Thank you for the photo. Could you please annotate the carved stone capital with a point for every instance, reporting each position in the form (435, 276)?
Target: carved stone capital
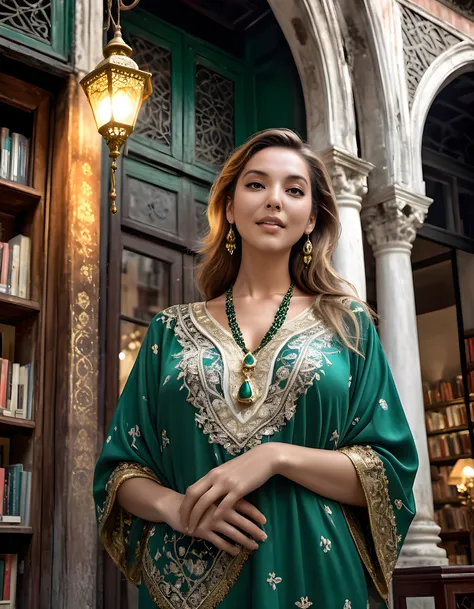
(392, 216)
(348, 175)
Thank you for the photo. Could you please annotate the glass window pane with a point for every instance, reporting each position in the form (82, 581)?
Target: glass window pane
(437, 212)
(154, 120)
(214, 116)
(145, 285)
(131, 337)
(466, 212)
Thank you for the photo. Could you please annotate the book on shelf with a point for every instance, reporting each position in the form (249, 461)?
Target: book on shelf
(15, 495)
(469, 342)
(452, 518)
(8, 583)
(439, 480)
(458, 553)
(449, 445)
(451, 416)
(16, 390)
(5, 152)
(14, 156)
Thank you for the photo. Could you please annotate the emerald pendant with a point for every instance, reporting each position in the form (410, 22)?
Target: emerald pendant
(249, 360)
(246, 392)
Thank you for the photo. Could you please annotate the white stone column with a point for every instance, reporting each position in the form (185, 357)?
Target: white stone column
(349, 179)
(391, 218)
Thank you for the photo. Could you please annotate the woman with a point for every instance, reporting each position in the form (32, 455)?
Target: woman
(259, 455)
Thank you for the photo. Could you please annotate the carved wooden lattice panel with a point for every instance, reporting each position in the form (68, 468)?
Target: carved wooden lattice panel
(30, 17)
(214, 112)
(154, 120)
(464, 601)
(423, 41)
(153, 205)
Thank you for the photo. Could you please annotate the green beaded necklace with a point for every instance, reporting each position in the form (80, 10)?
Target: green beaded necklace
(246, 393)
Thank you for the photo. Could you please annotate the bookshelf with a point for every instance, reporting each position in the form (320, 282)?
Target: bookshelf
(24, 210)
(449, 426)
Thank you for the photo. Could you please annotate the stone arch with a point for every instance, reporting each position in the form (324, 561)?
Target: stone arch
(444, 69)
(375, 91)
(313, 35)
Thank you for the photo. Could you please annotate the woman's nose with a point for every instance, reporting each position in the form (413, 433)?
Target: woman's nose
(273, 202)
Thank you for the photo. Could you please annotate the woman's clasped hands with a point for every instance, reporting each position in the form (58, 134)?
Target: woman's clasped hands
(214, 505)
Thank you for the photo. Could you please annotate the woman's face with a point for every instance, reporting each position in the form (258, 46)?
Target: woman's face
(271, 207)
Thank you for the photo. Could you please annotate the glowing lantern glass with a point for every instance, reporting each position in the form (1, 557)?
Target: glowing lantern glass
(116, 89)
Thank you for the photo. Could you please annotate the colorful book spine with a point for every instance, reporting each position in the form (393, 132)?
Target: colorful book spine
(5, 153)
(2, 490)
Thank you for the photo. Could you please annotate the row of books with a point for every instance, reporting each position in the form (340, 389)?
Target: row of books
(452, 518)
(451, 416)
(15, 495)
(469, 342)
(458, 553)
(16, 390)
(439, 481)
(15, 266)
(14, 153)
(8, 580)
(443, 391)
(447, 445)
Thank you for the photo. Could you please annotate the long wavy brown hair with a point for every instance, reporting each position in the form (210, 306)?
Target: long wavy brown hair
(217, 270)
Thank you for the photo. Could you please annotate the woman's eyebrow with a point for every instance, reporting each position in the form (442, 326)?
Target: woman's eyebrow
(295, 176)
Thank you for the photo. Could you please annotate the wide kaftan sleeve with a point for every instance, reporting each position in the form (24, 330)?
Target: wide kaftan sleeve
(380, 445)
(131, 449)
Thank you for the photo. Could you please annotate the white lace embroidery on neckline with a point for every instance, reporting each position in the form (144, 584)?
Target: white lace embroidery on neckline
(210, 365)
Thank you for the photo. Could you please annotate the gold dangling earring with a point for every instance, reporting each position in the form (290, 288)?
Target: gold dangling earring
(230, 241)
(307, 252)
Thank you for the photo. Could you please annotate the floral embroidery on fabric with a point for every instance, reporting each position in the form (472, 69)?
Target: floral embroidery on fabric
(166, 380)
(398, 504)
(108, 439)
(304, 346)
(303, 603)
(188, 572)
(347, 605)
(350, 381)
(325, 544)
(155, 348)
(328, 511)
(399, 539)
(355, 421)
(334, 438)
(135, 433)
(273, 580)
(164, 440)
(383, 404)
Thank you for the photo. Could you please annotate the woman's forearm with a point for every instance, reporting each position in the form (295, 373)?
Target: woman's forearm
(328, 473)
(145, 498)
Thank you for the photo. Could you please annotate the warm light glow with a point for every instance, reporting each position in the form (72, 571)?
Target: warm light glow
(123, 109)
(468, 472)
(122, 355)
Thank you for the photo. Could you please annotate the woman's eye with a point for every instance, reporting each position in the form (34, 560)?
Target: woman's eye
(254, 185)
(296, 191)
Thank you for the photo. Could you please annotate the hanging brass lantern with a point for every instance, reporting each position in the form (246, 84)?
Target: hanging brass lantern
(116, 89)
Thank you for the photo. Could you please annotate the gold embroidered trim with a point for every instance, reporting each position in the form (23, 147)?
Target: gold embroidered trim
(375, 538)
(114, 519)
(299, 354)
(210, 585)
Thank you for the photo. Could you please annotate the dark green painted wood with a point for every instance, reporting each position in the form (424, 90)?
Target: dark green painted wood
(62, 22)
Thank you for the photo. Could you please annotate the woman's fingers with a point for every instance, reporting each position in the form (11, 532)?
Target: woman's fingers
(201, 506)
(230, 531)
(246, 525)
(244, 507)
(222, 544)
(192, 496)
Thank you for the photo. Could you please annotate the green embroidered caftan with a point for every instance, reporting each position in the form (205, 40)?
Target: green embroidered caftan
(178, 418)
